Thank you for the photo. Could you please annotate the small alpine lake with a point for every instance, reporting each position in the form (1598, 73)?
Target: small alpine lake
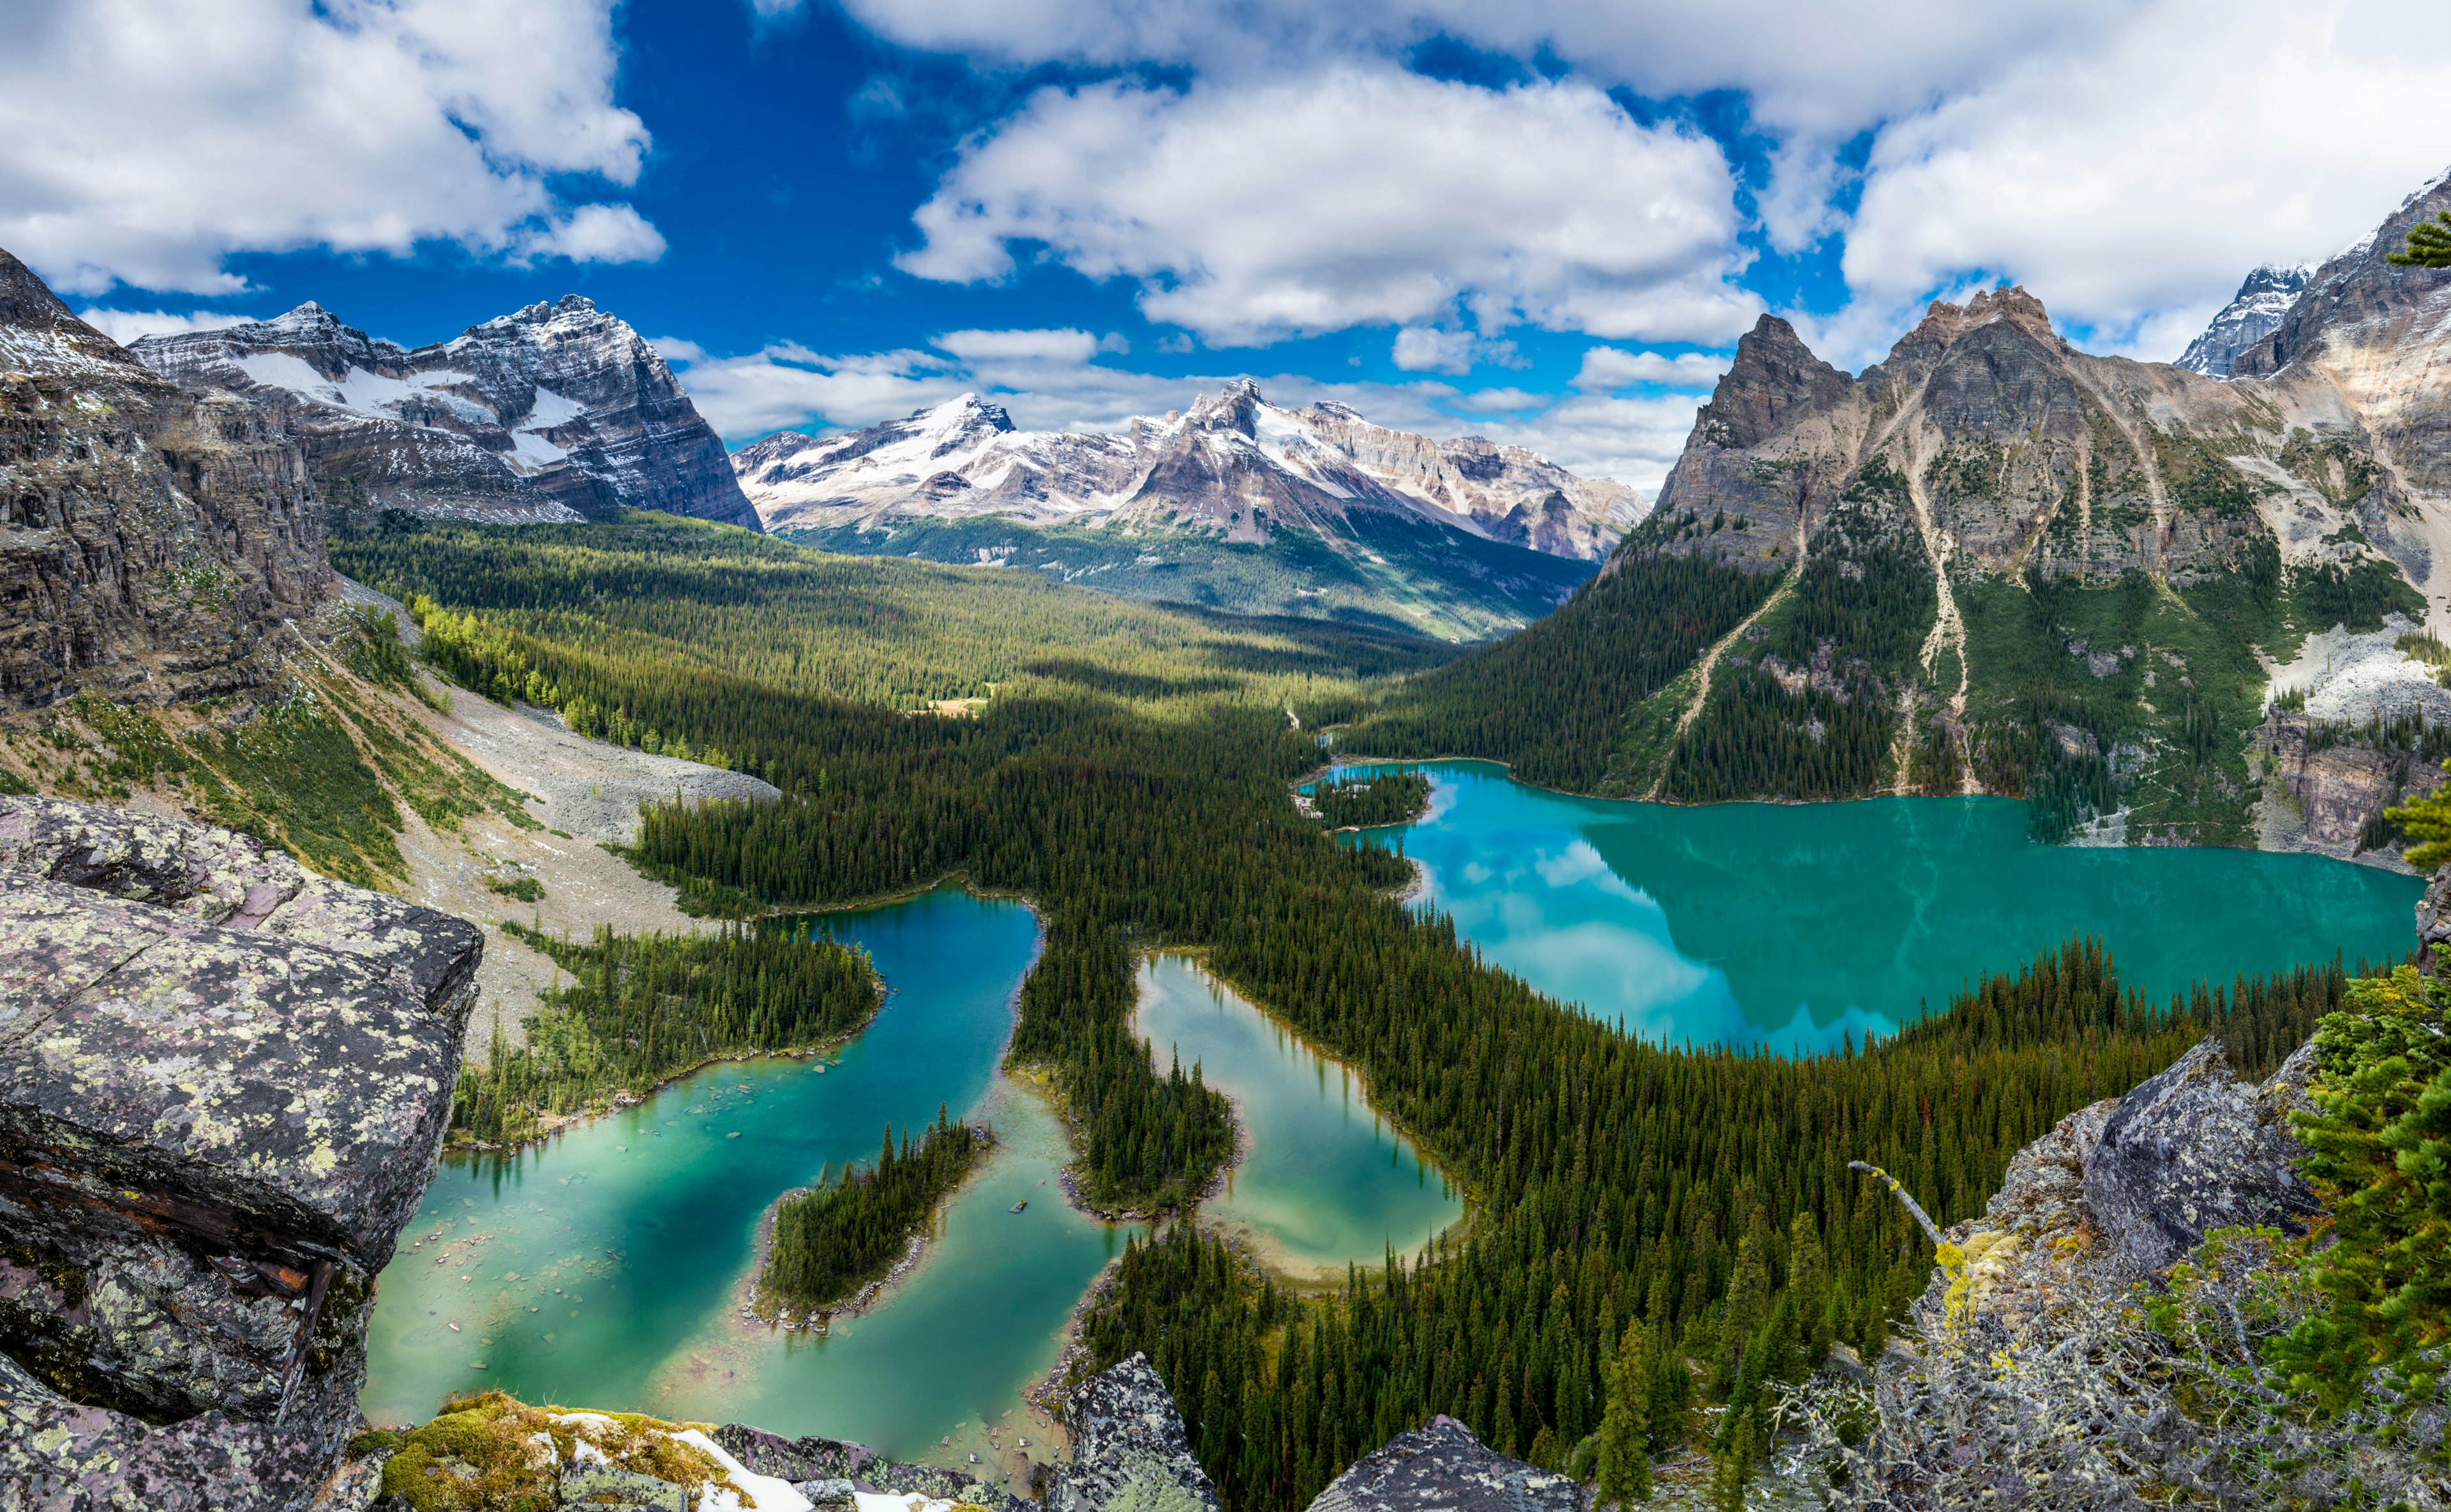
(1793, 925)
(1324, 1180)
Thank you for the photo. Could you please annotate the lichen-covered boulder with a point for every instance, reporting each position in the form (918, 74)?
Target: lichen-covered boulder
(1129, 1452)
(224, 1087)
(2194, 1150)
(1441, 1467)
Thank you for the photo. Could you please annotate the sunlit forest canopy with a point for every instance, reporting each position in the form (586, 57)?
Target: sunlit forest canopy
(674, 596)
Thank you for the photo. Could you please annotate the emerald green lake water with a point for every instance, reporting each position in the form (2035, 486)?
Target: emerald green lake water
(603, 1269)
(1324, 1181)
(1791, 925)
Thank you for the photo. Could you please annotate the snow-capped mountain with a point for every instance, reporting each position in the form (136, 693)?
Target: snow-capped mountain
(558, 412)
(1234, 466)
(2254, 315)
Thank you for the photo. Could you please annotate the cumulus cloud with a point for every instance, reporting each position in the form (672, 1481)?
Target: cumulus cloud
(1829, 67)
(144, 144)
(1427, 349)
(2132, 188)
(1607, 369)
(1359, 197)
(132, 326)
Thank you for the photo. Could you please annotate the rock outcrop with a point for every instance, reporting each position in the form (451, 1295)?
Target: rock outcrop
(1443, 1466)
(558, 411)
(1233, 465)
(829, 1471)
(2194, 1150)
(152, 539)
(1129, 1451)
(2255, 312)
(223, 1087)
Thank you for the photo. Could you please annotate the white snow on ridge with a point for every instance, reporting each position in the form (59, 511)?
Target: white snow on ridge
(360, 391)
(551, 409)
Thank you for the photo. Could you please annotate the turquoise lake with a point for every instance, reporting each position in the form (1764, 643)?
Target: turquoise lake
(1791, 925)
(605, 1267)
(1324, 1181)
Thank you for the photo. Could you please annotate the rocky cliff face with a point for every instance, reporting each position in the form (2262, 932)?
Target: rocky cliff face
(152, 539)
(224, 1087)
(1234, 466)
(558, 411)
(2255, 313)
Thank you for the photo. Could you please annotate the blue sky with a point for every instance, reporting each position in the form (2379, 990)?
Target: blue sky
(1545, 222)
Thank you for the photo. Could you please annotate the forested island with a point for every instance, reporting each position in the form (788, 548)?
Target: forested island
(833, 1240)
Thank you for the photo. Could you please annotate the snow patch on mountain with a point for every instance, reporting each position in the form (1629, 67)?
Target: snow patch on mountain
(2254, 313)
(558, 411)
(1233, 465)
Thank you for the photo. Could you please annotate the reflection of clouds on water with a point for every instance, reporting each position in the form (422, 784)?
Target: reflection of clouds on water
(1579, 863)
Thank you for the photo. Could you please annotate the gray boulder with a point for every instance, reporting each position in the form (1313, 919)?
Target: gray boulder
(840, 1469)
(2194, 1150)
(223, 1087)
(1129, 1451)
(1441, 1467)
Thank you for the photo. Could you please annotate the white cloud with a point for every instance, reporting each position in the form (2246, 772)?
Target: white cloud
(595, 233)
(1357, 197)
(1073, 347)
(144, 144)
(1428, 350)
(129, 325)
(2132, 188)
(1825, 68)
(1606, 370)
(1423, 350)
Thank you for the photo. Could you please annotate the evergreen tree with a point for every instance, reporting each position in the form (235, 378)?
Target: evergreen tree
(1807, 1283)
(2429, 243)
(1625, 1438)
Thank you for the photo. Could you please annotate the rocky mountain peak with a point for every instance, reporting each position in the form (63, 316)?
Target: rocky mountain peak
(2251, 315)
(1944, 322)
(1236, 407)
(2358, 296)
(37, 332)
(1774, 381)
(558, 411)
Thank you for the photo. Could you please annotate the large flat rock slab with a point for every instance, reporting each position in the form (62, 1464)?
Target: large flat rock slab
(223, 1087)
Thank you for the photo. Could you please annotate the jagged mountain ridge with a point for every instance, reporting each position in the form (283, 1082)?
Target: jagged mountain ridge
(153, 540)
(1233, 465)
(2250, 316)
(557, 411)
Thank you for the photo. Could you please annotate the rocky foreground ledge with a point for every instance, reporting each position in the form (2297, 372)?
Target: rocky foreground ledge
(1131, 1454)
(223, 1087)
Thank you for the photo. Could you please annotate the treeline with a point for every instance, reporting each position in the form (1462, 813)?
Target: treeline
(1550, 699)
(1704, 1195)
(646, 1006)
(1390, 798)
(829, 1241)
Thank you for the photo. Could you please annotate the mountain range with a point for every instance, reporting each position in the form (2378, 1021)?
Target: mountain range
(2167, 606)
(1235, 502)
(556, 412)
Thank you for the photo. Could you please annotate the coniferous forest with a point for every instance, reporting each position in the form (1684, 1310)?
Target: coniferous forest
(830, 1241)
(647, 1007)
(1140, 802)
